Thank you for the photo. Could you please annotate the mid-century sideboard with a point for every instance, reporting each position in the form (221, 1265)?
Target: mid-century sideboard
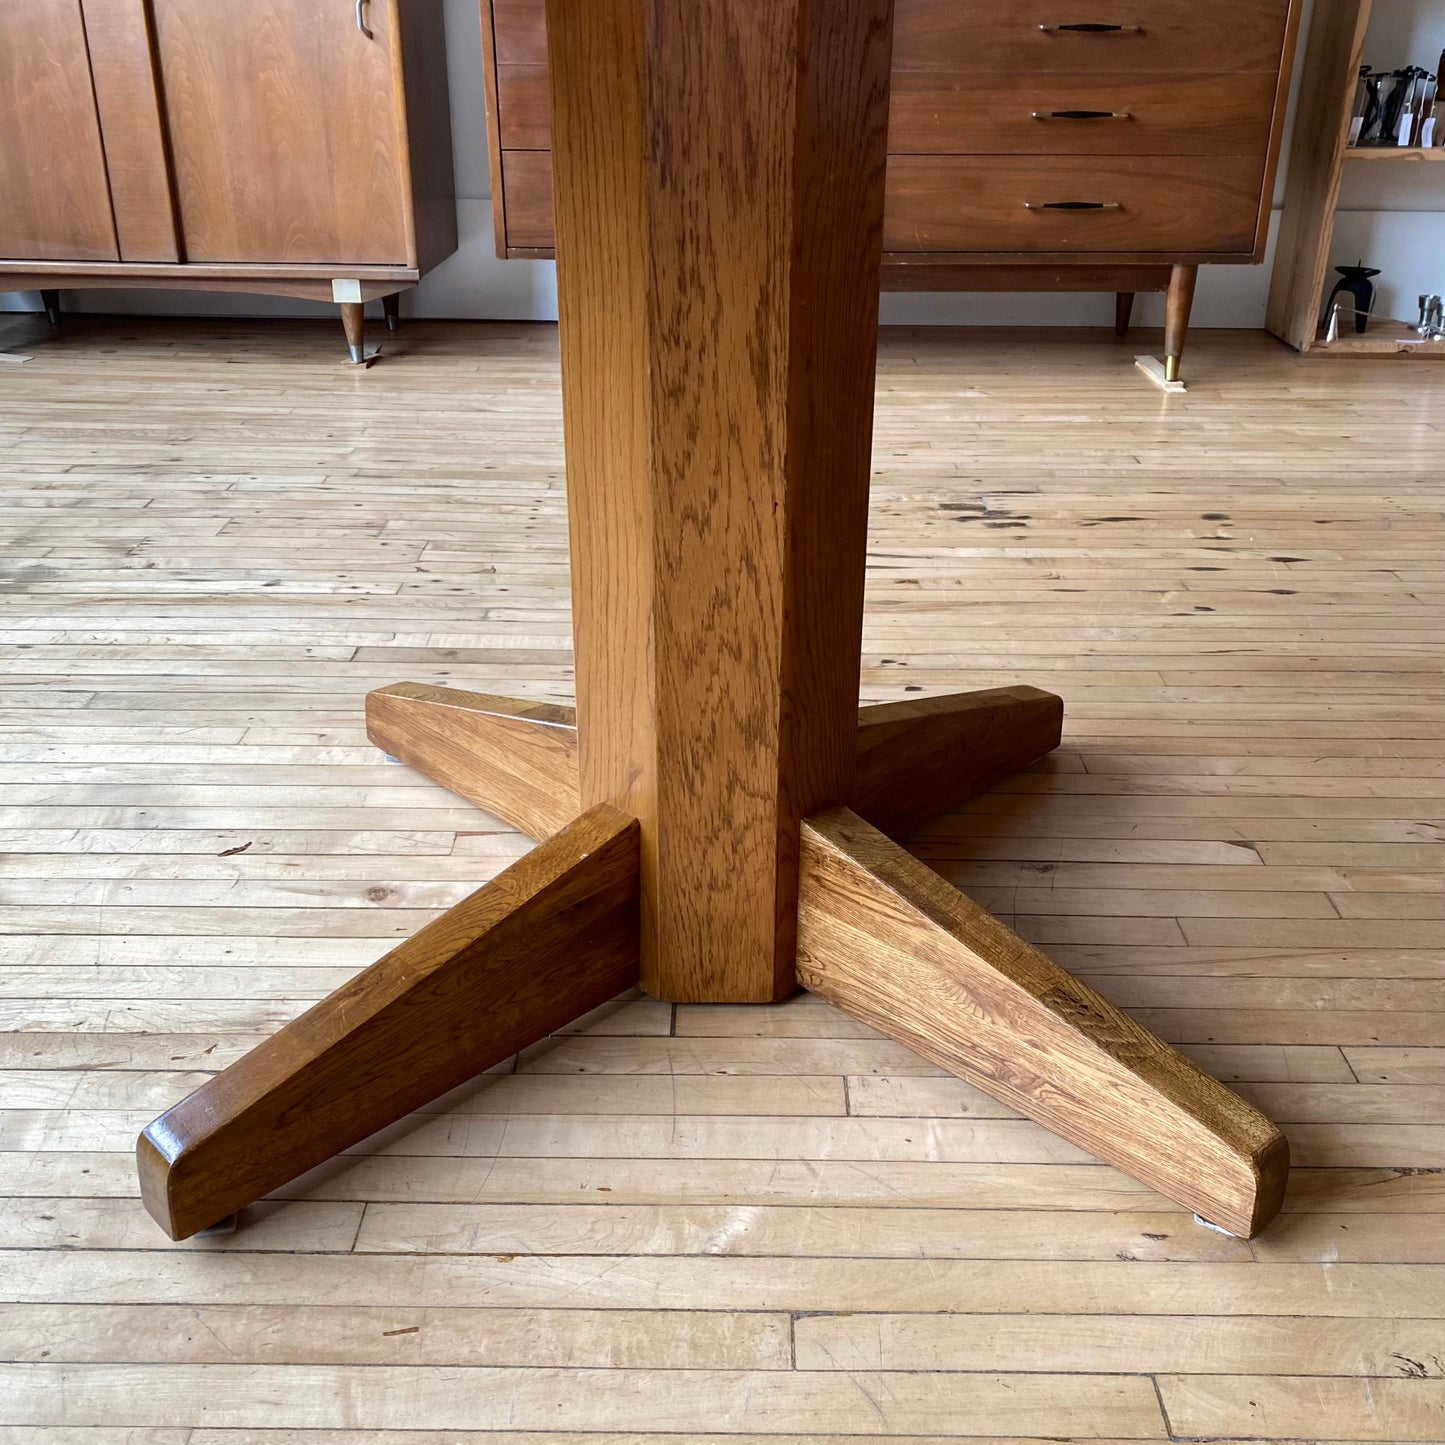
(298, 147)
(1037, 145)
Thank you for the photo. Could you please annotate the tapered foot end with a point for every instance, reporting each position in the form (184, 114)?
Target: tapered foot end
(52, 315)
(1158, 372)
(551, 937)
(1171, 368)
(887, 940)
(153, 1161)
(391, 321)
(923, 757)
(514, 758)
(358, 355)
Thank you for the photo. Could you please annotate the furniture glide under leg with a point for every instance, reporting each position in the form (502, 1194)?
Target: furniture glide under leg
(715, 815)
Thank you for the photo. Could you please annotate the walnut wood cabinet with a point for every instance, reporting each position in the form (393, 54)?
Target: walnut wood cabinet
(1065, 145)
(296, 147)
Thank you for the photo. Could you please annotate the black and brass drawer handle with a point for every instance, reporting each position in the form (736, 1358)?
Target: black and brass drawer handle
(1073, 206)
(1092, 28)
(1081, 115)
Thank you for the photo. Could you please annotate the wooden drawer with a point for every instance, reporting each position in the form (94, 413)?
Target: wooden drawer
(1168, 204)
(524, 107)
(1020, 36)
(527, 183)
(1017, 115)
(519, 32)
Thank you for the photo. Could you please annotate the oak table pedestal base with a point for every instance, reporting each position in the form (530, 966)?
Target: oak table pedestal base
(557, 934)
(714, 817)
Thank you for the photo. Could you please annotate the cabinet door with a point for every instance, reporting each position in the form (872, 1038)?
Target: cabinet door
(54, 200)
(285, 129)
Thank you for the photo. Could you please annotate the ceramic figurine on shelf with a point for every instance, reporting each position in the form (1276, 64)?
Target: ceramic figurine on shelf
(1356, 281)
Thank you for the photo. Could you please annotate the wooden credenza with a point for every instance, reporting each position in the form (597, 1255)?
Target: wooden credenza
(1033, 145)
(297, 147)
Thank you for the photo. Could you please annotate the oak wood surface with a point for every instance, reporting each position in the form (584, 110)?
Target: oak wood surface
(921, 757)
(550, 938)
(123, 71)
(718, 296)
(886, 939)
(54, 203)
(517, 760)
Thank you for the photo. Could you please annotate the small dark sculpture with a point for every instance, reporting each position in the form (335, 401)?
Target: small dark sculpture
(1356, 280)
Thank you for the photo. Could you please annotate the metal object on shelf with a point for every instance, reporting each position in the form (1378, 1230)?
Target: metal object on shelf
(1431, 325)
(1357, 283)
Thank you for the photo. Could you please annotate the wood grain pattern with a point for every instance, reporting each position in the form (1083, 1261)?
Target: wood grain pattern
(945, 113)
(553, 936)
(718, 289)
(54, 203)
(515, 759)
(1231, 35)
(1162, 203)
(1177, 307)
(1332, 60)
(942, 114)
(924, 756)
(884, 938)
(123, 71)
(264, 98)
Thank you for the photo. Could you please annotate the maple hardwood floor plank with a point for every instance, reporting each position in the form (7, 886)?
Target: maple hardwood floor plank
(1285, 1408)
(186, 658)
(738, 1401)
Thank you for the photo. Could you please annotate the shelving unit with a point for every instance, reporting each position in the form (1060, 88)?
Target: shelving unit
(1317, 161)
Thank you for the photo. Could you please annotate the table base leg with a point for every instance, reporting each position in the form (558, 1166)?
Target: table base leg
(552, 937)
(879, 934)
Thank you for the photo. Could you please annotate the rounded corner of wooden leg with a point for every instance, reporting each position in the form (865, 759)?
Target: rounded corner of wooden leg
(1271, 1176)
(153, 1162)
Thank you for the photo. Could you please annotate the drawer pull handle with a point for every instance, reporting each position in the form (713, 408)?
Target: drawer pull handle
(1092, 28)
(361, 24)
(1073, 206)
(1081, 115)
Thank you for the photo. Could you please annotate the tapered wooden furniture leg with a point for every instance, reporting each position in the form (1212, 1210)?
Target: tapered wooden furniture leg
(887, 940)
(50, 300)
(353, 322)
(515, 759)
(923, 756)
(1178, 305)
(550, 938)
(1123, 312)
(391, 309)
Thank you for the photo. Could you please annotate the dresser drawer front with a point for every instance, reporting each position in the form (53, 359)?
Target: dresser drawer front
(1154, 36)
(1164, 204)
(1102, 115)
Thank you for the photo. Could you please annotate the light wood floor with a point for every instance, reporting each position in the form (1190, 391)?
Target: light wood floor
(680, 1224)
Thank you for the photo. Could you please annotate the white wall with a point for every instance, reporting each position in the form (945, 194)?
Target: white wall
(1392, 216)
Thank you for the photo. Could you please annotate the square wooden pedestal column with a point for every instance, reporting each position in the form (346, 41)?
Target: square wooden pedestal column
(714, 817)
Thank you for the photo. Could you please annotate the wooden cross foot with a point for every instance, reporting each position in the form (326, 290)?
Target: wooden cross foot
(878, 934)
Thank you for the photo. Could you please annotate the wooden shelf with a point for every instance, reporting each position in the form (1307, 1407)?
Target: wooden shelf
(1318, 157)
(1384, 338)
(1394, 153)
